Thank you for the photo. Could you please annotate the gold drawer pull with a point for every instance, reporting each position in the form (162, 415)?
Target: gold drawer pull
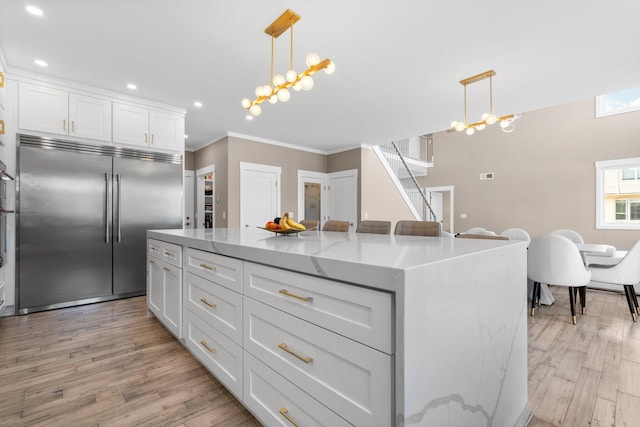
(208, 267)
(283, 412)
(204, 344)
(1, 79)
(167, 253)
(307, 359)
(152, 262)
(167, 269)
(285, 292)
(153, 248)
(1, 127)
(204, 301)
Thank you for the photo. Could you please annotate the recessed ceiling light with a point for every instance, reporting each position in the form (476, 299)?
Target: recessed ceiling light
(41, 63)
(186, 136)
(34, 10)
(132, 86)
(197, 104)
(249, 117)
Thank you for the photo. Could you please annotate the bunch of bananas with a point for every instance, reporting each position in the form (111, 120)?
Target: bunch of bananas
(287, 223)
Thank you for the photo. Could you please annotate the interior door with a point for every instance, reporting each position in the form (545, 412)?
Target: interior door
(189, 200)
(343, 196)
(259, 194)
(64, 254)
(147, 196)
(312, 198)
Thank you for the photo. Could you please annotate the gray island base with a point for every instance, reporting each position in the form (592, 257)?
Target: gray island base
(325, 328)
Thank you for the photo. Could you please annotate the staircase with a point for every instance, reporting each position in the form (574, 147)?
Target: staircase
(405, 160)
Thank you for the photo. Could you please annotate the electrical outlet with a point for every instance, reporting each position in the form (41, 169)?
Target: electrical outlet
(486, 175)
(463, 216)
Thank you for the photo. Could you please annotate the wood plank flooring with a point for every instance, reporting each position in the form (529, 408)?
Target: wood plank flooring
(586, 374)
(106, 364)
(111, 364)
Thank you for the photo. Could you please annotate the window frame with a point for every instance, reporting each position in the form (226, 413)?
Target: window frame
(601, 105)
(601, 167)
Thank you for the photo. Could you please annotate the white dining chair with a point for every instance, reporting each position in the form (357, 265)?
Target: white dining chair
(555, 260)
(574, 236)
(480, 231)
(516, 234)
(626, 273)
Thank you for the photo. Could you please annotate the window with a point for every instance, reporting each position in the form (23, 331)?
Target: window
(620, 102)
(618, 194)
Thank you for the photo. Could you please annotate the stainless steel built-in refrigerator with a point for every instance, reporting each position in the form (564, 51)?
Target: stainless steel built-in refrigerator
(83, 212)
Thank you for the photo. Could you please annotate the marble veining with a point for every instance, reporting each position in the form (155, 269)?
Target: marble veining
(460, 346)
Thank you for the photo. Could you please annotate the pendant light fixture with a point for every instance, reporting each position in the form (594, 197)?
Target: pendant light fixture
(278, 88)
(506, 122)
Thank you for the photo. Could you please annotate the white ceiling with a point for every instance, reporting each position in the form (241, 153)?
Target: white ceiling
(398, 63)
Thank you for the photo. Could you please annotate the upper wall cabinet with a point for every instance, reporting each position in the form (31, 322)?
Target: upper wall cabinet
(2, 105)
(46, 109)
(136, 125)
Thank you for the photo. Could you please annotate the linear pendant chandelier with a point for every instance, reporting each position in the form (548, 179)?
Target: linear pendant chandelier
(278, 88)
(506, 122)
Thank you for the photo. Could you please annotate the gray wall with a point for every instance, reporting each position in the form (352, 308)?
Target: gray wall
(544, 171)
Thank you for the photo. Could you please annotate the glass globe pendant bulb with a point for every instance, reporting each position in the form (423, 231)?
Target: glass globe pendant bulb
(470, 131)
(453, 124)
(283, 95)
(255, 110)
(279, 80)
(246, 103)
(306, 83)
(504, 123)
(331, 68)
(490, 119)
(267, 90)
(481, 127)
(291, 76)
(273, 99)
(297, 86)
(259, 90)
(460, 126)
(312, 59)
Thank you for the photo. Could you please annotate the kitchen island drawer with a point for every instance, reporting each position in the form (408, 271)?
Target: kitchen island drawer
(221, 356)
(350, 378)
(167, 252)
(218, 306)
(276, 401)
(220, 269)
(361, 314)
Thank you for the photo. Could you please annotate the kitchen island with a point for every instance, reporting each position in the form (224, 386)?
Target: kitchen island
(356, 329)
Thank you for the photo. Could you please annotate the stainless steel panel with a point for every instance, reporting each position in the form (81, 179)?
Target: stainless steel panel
(148, 196)
(62, 253)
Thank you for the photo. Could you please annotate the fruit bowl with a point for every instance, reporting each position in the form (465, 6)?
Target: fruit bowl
(288, 231)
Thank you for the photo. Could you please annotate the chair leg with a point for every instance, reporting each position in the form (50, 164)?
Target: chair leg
(572, 303)
(635, 298)
(539, 286)
(583, 298)
(629, 292)
(535, 294)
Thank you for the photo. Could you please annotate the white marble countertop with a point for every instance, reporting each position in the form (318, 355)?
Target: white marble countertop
(380, 260)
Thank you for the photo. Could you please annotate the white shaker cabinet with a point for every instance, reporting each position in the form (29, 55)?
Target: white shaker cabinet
(51, 110)
(164, 284)
(137, 125)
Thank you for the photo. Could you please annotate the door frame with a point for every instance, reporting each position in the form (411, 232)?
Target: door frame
(277, 170)
(199, 211)
(444, 189)
(189, 174)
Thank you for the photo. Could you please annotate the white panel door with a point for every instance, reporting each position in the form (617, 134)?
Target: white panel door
(189, 199)
(343, 196)
(312, 198)
(259, 194)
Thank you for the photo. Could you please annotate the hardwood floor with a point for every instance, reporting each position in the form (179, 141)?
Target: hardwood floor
(109, 364)
(106, 365)
(586, 374)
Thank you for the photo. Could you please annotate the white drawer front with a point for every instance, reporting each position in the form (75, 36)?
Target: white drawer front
(361, 314)
(219, 306)
(168, 252)
(350, 378)
(223, 357)
(272, 398)
(222, 270)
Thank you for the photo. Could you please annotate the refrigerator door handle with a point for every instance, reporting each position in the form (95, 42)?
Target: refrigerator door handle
(107, 204)
(119, 236)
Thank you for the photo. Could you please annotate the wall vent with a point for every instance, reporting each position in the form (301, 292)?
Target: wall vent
(486, 175)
